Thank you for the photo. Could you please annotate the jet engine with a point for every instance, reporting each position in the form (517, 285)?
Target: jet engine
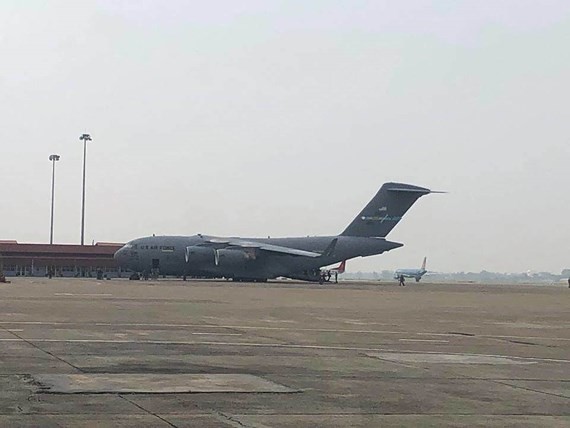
(232, 258)
(204, 256)
(199, 255)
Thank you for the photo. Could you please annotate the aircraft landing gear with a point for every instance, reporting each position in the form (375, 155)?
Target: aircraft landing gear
(324, 276)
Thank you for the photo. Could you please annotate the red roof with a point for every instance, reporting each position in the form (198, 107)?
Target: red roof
(101, 249)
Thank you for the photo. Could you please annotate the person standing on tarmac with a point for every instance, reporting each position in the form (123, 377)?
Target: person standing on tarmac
(402, 281)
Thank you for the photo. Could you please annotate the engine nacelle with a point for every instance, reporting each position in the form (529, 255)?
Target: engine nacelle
(199, 255)
(232, 258)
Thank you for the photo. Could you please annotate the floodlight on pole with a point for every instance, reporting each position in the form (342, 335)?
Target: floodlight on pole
(53, 159)
(84, 138)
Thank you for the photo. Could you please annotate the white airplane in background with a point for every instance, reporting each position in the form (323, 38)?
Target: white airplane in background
(412, 273)
(326, 274)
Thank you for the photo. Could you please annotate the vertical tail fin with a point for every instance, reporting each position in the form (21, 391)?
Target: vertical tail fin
(424, 263)
(341, 267)
(385, 210)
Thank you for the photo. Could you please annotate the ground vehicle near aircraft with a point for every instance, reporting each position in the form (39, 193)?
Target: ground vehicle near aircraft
(259, 259)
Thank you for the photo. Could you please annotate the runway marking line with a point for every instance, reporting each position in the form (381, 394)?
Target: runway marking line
(82, 295)
(276, 345)
(248, 327)
(216, 334)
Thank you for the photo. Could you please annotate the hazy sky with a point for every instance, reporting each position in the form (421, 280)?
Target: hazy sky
(283, 118)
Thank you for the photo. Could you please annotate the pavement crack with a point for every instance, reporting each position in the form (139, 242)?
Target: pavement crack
(147, 411)
(524, 388)
(39, 348)
(522, 342)
(515, 341)
(230, 420)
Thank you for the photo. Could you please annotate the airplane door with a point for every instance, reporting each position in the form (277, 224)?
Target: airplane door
(155, 263)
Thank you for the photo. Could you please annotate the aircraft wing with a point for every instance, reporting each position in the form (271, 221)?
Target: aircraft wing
(234, 242)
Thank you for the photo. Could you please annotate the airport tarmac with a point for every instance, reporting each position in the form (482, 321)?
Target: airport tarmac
(78, 352)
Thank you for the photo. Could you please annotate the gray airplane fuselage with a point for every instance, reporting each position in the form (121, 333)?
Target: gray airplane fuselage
(168, 255)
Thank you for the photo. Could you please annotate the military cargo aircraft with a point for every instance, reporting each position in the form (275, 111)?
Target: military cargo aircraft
(259, 259)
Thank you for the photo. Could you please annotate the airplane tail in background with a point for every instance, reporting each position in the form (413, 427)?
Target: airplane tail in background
(424, 263)
(341, 268)
(385, 210)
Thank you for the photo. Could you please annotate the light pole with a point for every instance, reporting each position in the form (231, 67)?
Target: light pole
(85, 138)
(53, 159)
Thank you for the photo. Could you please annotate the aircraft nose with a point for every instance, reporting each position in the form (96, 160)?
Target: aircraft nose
(120, 256)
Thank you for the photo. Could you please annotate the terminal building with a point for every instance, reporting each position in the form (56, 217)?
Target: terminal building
(60, 260)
